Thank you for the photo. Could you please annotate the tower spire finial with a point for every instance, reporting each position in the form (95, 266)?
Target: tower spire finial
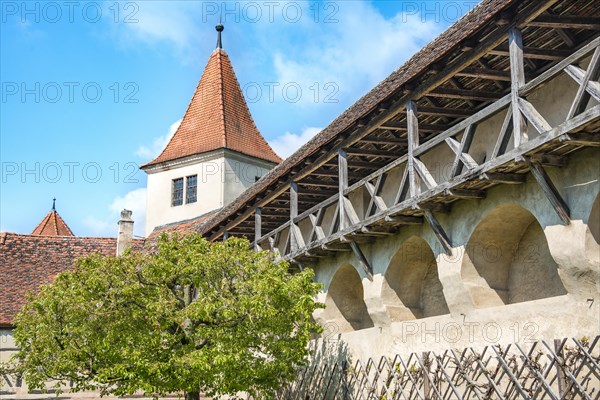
(219, 29)
(54, 204)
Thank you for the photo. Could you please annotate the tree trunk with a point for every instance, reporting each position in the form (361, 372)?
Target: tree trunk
(192, 396)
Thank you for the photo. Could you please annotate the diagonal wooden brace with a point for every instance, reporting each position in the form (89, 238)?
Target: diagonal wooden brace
(440, 234)
(549, 189)
(362, 260)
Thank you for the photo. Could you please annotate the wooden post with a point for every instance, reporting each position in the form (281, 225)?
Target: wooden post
(559, 361)
(413, 142)
(342, 186)
(425, 372)
(257, 228)
(517, 76)
(293, 215)
(225, 235)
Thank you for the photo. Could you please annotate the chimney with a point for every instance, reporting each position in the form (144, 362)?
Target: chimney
(125, 234)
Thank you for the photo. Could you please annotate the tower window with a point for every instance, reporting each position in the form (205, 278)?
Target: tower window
(177, 192)
(191, 188)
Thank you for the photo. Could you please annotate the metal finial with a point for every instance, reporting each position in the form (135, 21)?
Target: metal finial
(219, 29)
(54, 204)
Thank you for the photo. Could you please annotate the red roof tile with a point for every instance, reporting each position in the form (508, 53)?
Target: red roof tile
(217, 117)
(52, 225)
(28, 261)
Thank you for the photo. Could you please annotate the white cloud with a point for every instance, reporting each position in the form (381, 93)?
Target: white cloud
(352, 55)
(152, 22)
(286, 144)
(158, 144)
(134, 200)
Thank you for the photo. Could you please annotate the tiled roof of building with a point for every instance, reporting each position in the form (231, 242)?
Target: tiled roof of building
(52, 225)
(182, 227)
(217, 117)
(28, 261)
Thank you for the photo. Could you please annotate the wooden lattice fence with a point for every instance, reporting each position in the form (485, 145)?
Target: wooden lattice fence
(562, 369)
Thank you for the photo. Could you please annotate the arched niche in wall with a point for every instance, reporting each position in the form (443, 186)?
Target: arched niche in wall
(592, 235)
(507, 260)
(412, 288)
(345, 306)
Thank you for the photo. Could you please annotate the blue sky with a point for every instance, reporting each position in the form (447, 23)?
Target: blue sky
(90, 90)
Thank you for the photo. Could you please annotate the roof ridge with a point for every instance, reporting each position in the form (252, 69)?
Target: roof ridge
(222, 94)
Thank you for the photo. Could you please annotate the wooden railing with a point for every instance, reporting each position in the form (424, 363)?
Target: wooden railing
(339, 217)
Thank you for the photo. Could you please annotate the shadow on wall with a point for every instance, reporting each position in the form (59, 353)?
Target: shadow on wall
(507, 260)
(592, 237)
(345, 305)
(412, 287)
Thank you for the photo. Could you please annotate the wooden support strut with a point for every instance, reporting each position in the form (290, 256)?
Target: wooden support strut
(362, 260)
(549, 189)
(342, 186)
(296, 241)
(517, 73)
(257, 228)
(439, 232)
(413, 143)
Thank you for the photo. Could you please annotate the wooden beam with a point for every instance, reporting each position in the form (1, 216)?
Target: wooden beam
(549, 189)
(362, 260)
(354, 163)
(372, 153)
(294, 245)
(403, 220)
(402, 126)
(505, 134)
(439, 232)
(566, 22)
(385, 140)
(334, 174)
(257, 227)
(509, 179)
(446, 112)
(533, 53)
(549, 160)
(581, 139)
(465, 193)
(413, 143)
(583, 96)
(342, 186)
(379, 231)
(578, 75)
(317, 182)
(517, 71)
(537, 121)
(465, 94)
(485, 73)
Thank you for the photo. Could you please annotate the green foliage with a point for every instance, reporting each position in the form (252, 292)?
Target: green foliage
(194, 316)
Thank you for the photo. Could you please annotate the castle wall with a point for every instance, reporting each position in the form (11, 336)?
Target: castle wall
(516, 274)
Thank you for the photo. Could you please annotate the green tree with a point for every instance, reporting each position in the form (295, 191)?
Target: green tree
(193, 316)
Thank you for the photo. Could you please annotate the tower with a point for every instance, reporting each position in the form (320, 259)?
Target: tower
(216, 153)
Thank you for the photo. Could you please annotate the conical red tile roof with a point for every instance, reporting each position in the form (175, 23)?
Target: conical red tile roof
(217, 117)
(52, 225)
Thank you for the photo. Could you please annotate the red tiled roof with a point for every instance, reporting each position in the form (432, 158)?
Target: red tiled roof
(181, 227)
(52, 225)
(217, 117)
(28, 261)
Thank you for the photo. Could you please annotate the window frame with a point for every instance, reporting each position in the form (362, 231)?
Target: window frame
(177, 194)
